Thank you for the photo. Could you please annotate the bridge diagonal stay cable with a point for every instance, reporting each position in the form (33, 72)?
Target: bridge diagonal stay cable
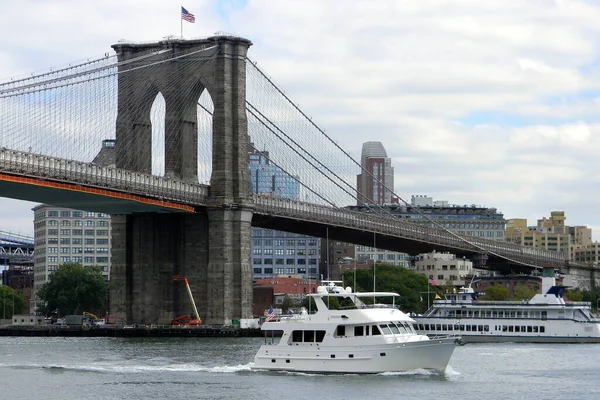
(263, 154)
(299, 150)
(375, 207)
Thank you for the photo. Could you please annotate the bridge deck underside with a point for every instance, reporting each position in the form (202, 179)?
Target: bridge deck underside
(84, 198)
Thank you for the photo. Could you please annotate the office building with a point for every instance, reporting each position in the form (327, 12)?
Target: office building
(275, 253)
(63, 235)
(376, 181)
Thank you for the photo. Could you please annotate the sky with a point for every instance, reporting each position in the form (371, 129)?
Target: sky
(493, 103)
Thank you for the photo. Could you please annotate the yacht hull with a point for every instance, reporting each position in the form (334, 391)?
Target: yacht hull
(431, 354)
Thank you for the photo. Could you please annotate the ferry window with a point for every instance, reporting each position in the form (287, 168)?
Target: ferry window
(394, 328)
(341, 330)
(438, 327)
(461, 327)
(510, 328)
(385, 329)
(375, 330)
(480, 328)
(542, 329)
(468, 328)
(535, 329)
(474, 328)
(358, 331)
(529, 329)
(504, 328)
(486, 328)
(309, 336)
(544, 315)
(296, 336)
(320, 336)
(444, 327)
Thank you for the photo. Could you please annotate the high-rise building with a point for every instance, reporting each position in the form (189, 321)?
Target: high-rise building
(274, 252)
(64, 235)
(376, 181)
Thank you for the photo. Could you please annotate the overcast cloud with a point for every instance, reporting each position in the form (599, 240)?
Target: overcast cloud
(494, 103)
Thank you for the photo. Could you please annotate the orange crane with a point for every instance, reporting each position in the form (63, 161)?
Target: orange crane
(186, 319)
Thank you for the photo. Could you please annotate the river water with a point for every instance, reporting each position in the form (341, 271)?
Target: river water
(219, 368)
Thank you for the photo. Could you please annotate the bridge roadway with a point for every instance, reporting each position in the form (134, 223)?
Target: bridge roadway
(85, 186)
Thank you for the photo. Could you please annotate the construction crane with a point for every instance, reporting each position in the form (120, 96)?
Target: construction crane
(186, 319)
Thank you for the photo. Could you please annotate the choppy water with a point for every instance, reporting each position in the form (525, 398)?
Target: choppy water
(219, 368)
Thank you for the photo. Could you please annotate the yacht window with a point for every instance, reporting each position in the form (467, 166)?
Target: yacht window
(358, 331)
(385, 329)
(402, 327)
(341, 330)
(320, 336)
(394, 328)
(296, 336)
(375, 330)
(309, 336)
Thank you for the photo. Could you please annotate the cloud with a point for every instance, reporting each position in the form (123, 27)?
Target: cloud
(477, 102)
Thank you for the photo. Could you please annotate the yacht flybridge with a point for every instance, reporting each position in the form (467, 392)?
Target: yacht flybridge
(353, 338)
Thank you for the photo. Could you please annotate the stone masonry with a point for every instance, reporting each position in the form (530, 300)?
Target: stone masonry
(211, 247)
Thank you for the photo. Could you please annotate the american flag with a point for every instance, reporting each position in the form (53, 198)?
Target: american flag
(187, 16)
(432, 281)
(271, 315)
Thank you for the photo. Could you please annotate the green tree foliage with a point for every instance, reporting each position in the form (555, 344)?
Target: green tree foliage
(72, 289)
(287, 303)
(574, 295)
(523, 292)
(412, 287)
(497, 293)
(10, 300)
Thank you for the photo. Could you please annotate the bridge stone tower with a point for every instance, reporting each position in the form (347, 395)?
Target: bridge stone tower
(211, 247)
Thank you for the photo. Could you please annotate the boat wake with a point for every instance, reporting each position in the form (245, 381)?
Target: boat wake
(131, 369)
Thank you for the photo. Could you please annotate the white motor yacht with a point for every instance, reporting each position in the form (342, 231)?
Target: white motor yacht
(355, 338)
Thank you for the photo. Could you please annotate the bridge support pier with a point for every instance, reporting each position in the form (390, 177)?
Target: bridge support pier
(211, 248)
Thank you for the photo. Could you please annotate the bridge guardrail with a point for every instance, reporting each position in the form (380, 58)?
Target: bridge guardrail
(405, 229)
(45, 167)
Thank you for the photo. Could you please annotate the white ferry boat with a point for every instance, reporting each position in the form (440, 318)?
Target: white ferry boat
(358, 338)
(546, 318)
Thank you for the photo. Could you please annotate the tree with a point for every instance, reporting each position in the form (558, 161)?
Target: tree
(287, 303)
(496, 292)
(72, 289)
(523, 292)
(11, 302)
(411, 286)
